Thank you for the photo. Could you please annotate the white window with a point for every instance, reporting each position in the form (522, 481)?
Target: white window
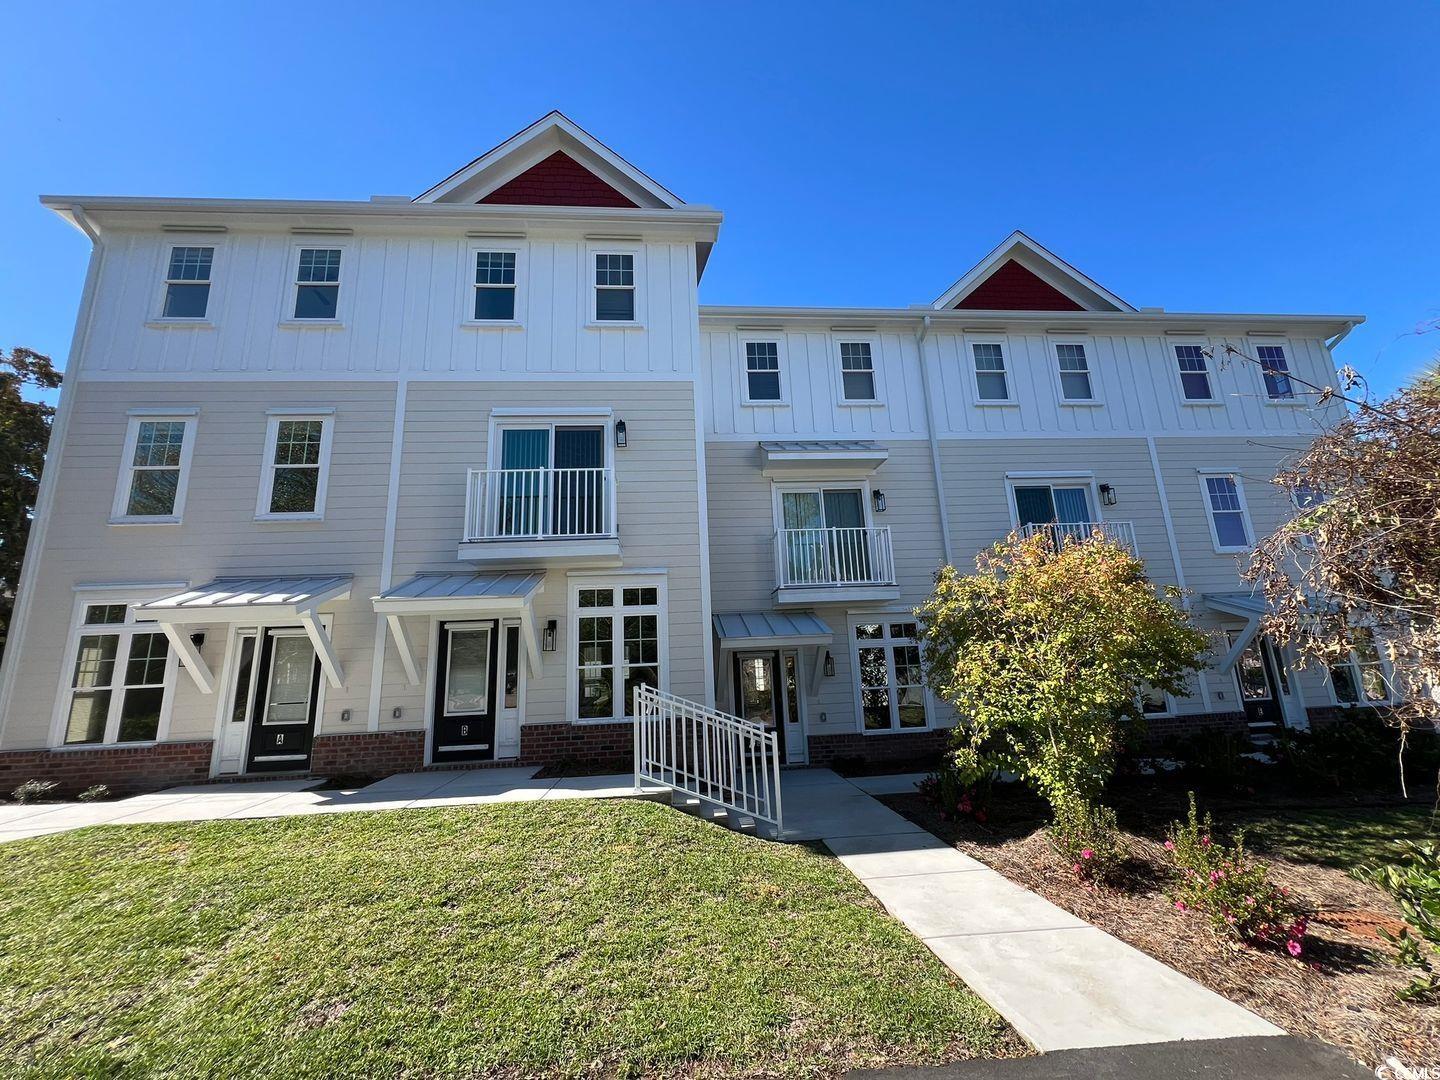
(991, 381)
(1153, 702)
(187, 283)
(494, 286)
(762, 372)
(1365, 678)
(614, 287)
(857, 371)
(118, 678)
(1074, 371)
(889, 682)
(1194, 368)
(1275, 368)
(296, 467)
(1225, 508)
(619, 632)
(154, 469)
(317, 284)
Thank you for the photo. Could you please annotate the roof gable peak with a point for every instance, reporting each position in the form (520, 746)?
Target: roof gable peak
(1021, 274)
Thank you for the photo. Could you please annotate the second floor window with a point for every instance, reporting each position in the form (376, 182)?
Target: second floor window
(293, 484)
(991, 383)
(1194, 373)
(1074, 372)
(152, 483)
(187, 282)
(857, 371)
(1276, 370)
(494, 286)
(614, 288)
(1226, 507)
(762, 371)
(317, 284)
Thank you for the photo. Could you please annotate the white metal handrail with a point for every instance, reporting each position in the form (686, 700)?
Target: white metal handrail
(536, 504)
(834, 557)
(1061, 532)
(711, 755)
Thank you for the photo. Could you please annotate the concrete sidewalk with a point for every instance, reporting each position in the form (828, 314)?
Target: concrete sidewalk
(1061, 982)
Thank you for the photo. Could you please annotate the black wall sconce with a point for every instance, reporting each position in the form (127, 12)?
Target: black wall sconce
(829, 667)
(620, 438)
(877, 499)
(547, 636)
(1108, 496)
(198, 639)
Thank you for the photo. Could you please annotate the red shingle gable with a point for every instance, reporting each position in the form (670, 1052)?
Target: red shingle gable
(1014, 288)
(559, 180)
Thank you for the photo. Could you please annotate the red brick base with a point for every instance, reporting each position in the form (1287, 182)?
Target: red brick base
(593, 744)
(125, 770)
(371, 753)
(900, 746)
(1162, 729)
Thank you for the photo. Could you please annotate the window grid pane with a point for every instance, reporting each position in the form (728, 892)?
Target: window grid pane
(159, 443)
(190, 263)
(495, 268)
(319, 265)
(855, 356)
(297, 442)
(615, 270)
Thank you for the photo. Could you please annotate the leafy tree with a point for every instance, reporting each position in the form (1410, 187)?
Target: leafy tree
(24, 433)
(1041, 652)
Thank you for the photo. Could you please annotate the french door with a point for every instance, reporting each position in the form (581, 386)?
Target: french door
(1047, 504)
(825, 538)
(553, 481)
(286, 694)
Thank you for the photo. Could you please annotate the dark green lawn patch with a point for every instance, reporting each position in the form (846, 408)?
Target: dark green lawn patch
(577, 938)
(1343, 837)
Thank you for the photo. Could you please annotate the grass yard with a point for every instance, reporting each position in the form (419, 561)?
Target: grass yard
(563, 939)
(1345, 838)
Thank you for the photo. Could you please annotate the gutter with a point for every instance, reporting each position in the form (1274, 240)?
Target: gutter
(920, 337)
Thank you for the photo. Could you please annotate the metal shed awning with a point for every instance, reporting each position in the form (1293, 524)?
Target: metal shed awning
(770, 629)
(258, 601)
(497, 594)
(1242, 605)
(794, 457)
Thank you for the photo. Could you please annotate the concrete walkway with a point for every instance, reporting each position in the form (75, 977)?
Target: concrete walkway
(288, 798)
(1061, 982)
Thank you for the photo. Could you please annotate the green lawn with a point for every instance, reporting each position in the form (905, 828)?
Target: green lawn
(575, 938)
(1341, 837)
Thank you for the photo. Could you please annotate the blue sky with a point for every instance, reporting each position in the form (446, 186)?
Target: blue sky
(1239, 157)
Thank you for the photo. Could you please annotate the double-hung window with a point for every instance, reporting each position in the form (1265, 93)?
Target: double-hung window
(1074, 372)
(1275, 367)
(762, 371)
(1225, 508)
(890, 683)
(619, 633)
(297, 459)
(614, 287)
(1364, 677)
(187, 282)
(494, 287)
(857, 371)
(119, 674)
(991, 381)
(1194, 373)
(317, 284)
(154, 469)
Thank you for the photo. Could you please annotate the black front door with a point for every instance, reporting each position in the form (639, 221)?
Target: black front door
(1258, 679)
(465, 692)
(287, 691)
(760, 694)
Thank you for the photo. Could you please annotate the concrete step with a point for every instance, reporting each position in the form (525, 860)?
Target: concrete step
(709, 811)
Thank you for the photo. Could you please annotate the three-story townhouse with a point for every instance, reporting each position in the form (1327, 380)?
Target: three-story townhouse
(363, 487)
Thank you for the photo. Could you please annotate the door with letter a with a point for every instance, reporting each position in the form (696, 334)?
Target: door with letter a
(286, 697)
(465, 672)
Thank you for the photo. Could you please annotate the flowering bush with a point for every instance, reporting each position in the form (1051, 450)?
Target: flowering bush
(1086, 837)
(958, 792)
(1229, 888)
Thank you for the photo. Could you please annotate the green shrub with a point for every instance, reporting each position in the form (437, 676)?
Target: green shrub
(1414, 881)
(33, 790)
(94, 793)
(1215, 760)
(1086, 837)
(1358, 752)
(1229, 888)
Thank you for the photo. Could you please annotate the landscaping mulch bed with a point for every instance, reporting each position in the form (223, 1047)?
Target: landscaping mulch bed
(1342, 991)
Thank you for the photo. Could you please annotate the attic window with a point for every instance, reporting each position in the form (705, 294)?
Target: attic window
(614, 287)
(857, 371)
(317, 283)
(494, 286)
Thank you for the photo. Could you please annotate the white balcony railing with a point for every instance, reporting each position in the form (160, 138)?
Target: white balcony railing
(539, 504)
(1062, 532)
(834, 557)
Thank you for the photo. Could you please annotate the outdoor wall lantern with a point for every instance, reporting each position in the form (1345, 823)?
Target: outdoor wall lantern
(877, 499)
(620, 433)
(1108, 496)
(829, 668)
(198, 639)
(547, 637)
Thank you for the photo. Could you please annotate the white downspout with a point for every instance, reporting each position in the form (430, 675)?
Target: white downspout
(920, 339)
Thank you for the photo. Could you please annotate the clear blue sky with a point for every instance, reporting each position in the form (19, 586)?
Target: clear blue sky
(1246, 157)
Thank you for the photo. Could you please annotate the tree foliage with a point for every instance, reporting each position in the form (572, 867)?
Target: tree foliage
(24, 433)
(1041, 652)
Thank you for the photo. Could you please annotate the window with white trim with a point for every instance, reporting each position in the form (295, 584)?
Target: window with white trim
(614, 287)
(1364, 678)
(857, 371)
(187, 283)
(1074, 371)
(620, 643)
(991, 381)
(1153, 702)
(1194, 368)
(119, 677)
(494, 287)
(154, 469)
(1225, 508)
(888, 677)
(297, 464)
(317, 284)
(762, 371)
(1275, 369)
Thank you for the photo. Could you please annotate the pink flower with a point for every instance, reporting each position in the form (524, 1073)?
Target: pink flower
(1214, 875)
(1169, 845)
(1087, 853)
(1204, 841)
(1293, 947)
(1076, 868)
(1180, 905)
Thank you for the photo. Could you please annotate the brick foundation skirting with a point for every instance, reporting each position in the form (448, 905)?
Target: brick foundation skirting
(125, 770)
(370, 753)
(1328, 715)
(593, 744)
(899, 746)
(1162, 729)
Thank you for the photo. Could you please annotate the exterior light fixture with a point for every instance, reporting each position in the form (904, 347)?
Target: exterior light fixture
(829, 667)
(198, 639)
(1108, 496)
(877, 499)
(620, 433)
(547, 636)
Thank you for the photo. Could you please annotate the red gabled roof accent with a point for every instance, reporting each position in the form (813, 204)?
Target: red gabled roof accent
(559, 180)
(1012, 287)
